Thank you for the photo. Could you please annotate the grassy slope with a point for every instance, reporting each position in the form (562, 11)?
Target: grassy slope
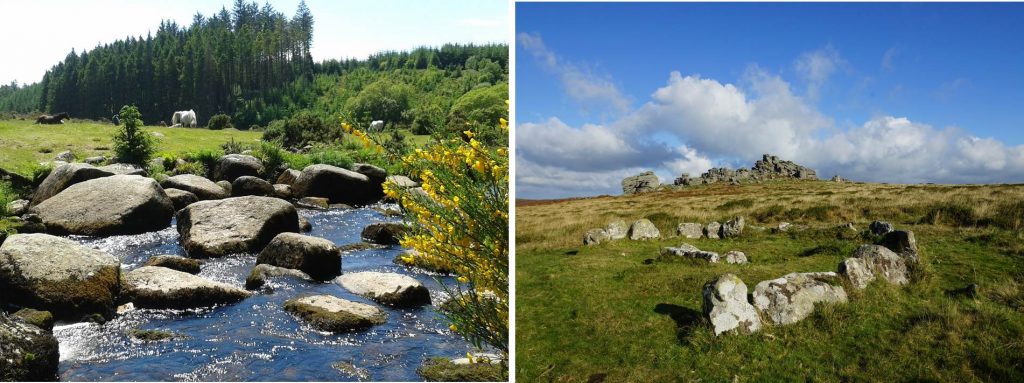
(22, 142)
(584, 312)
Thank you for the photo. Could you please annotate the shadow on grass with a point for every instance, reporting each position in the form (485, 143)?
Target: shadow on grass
(686, 319)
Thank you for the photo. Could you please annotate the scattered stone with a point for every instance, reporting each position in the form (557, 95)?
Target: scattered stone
(713, 230)
(234, 225)
(878, 262)
(65, 156)
(849, 226)
(732, 228)
(642, 229)
(249, 185)
(735, 257)
(317, 257)
(330, 313)
(384, 233)
(160, 287)
(880, 227)
(857, 271)
(288, 177)
(690, 251)
(225, 185)
(283, 191)
(56, 274)
(616, 230)
(595, 236)
(402, 182)
(181, 198)
(792, 297)
(64, 176)
(387, 288)
(903, 243)
(96, 160)
(232, 166)
(27, 353)
(175, 262)
(262, 272)
(17, 207)
(726, 306)
(337, 185)
(690, 230)
(119, 204)
(783, 227)
(200, 186)
(313, 203)
(41, 319)
(125, 169)
(640, 183)
(837, 178)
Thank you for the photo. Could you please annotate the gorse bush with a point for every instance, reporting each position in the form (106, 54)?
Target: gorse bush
(219, 121)
(132, 144)
(272, 155)
(461, 224)
(302, 129)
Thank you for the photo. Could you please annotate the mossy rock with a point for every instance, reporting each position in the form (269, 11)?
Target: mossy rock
(152, 335)
(329, 313)
(444, 370)
(41, 319)
(27, 352)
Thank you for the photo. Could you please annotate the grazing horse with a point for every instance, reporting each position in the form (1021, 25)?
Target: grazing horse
(377, 126)
(184, 118)
(57, 119)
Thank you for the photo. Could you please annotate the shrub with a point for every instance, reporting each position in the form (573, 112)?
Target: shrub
(476, 111)
(272, 155)
(1007, 215)
(208, 158)
(196, 168)
(7, 195)
(232, 147)
(331, 157)
(219, 121)
(132, 144)
(736, 204)
(302, 129)
(39, 173)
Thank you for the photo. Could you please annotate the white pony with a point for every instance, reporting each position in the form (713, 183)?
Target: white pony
(377, 125)
(184, 118)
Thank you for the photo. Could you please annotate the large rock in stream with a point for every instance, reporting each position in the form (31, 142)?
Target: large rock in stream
(317, 257)
(387, 288)
(234, 225)
(56, 274)
(200, 186)
(330, 313)
(121, 204)
(27, 353)
(64, 176)
(160, 287)
(337, 184)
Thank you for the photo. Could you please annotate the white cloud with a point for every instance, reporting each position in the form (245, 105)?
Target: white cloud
(588, 89)
(816, 67)
(888, 57)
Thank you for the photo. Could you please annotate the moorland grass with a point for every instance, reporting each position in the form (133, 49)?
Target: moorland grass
(618, 313)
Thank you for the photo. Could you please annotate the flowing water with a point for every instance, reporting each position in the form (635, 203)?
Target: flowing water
(255, 339)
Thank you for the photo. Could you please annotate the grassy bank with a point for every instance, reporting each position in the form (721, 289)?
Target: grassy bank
(614, 312)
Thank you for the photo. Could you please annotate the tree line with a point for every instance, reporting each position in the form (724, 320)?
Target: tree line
(253, 63)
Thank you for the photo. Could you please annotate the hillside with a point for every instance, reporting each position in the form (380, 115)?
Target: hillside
(617, 311)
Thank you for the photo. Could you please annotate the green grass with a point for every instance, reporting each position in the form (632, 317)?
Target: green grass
(614, 311)
(25, 144)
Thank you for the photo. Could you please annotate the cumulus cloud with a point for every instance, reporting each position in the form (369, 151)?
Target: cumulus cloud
(587, 88)
(693, 123)
(817, 66)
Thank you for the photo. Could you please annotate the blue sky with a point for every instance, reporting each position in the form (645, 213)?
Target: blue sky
(341, 28)
(823, 76)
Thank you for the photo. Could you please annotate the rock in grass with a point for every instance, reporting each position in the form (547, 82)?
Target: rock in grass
(690, 230)
(735, 257)
(643, 229)
(317, 257)
(160, 287)
(112, 205)
(876, 261)
(444, 370)
(200, 186)
(384, 233)
(27, 353)
(792, 297)
(616, 230)
(17, 207)
(63, 177)
(181, 198)
(56, 274)
(175, 262)
(232, 166)
(880, 227)
(689, 251)
(713, 230)
(387, 288)
(262, 272)
(330, 313)
(234, 225)
(726, 306)
(733, 228)
(595, 236)
(41, 319)
(857, 271)
(903, 243)
(125, 169)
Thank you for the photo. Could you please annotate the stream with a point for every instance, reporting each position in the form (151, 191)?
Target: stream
(255, 340)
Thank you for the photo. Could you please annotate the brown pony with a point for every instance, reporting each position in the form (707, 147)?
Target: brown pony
(57, 119)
